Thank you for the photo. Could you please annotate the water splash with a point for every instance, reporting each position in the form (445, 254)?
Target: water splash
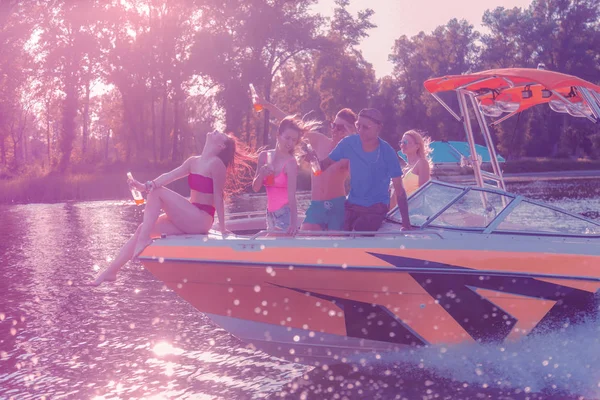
(563, 363)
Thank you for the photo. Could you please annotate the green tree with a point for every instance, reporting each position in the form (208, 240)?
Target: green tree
(562, 34)
(16, 26)
(67, 39)
(449, 50)
(335, 76)
(345, 79)
(250, 41)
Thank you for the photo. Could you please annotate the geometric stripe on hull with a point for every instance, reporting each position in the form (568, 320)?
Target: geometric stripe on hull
(587, 286)
(370, 321)
(479, 317)
(528, 311)
(487, 320)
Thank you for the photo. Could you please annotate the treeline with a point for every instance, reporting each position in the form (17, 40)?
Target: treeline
(103, 81)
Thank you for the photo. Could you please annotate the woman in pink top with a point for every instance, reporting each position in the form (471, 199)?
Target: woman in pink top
(277, 170)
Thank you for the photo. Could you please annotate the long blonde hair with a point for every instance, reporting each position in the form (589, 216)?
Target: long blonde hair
(423, 144)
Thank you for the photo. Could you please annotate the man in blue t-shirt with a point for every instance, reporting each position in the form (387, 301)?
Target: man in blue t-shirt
(373, 162)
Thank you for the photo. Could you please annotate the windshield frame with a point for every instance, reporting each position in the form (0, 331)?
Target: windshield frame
(492, 227)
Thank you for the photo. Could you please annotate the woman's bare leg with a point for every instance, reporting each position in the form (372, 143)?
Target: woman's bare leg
(180, 217)
(162, 226)
(183, 214)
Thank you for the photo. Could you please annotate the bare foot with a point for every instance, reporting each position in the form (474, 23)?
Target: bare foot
(139, 248)
(105, 276)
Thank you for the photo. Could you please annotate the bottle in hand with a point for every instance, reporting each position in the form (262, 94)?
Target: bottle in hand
(257, 106)
(137, 196)
(314, 160)
(270, 179)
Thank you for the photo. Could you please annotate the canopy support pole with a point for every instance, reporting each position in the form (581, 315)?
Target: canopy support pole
(487, 136)
(590, 99)
(446, 106)
(569, 104)
(466, 120)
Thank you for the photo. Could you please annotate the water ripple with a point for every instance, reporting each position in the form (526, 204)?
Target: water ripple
(137, 339)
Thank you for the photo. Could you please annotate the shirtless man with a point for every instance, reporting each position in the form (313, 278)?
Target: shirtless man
(328, 190)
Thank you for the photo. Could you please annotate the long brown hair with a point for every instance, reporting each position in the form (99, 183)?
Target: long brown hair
(300, 126)
(239, 161)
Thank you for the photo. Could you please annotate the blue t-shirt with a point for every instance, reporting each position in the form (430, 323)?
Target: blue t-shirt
(370, 173)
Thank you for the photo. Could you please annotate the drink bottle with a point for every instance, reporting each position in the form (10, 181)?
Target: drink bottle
(314, 160)
(270, 179)
(257, 106)
(137, 196)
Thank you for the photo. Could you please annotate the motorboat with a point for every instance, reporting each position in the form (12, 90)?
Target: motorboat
(481, 265)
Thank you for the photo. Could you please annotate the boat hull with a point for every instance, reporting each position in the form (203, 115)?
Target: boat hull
(308, 300)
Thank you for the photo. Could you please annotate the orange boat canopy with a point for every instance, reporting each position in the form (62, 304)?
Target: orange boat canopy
(508, 85)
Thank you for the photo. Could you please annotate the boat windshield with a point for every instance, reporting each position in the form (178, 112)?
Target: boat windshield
(528, 216)
(443, 205)
(428, 202)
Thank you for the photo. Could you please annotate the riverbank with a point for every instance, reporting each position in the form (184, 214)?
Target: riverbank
(109, 182)
(551, 175)
(103, 183)
(82, 184)
(534, 165)
(526, 170)
(528, 176)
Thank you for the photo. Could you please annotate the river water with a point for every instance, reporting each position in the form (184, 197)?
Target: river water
(137, 339)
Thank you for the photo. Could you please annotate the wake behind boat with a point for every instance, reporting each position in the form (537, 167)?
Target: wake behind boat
(482, 265)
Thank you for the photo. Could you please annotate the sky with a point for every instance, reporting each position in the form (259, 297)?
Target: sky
(395, 18)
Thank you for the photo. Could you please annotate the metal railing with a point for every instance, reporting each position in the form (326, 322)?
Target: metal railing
(246, 214)
(334, 234)
(250, 214)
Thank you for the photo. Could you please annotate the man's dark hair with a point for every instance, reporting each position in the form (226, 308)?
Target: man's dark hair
(372, 114)
(347, 115)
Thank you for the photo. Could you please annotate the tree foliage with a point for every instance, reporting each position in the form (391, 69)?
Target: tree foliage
(562, 34)
(102, 81)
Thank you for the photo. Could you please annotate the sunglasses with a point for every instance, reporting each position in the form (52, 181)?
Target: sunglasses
(363, 126)
(337, 127)
(403, 141)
